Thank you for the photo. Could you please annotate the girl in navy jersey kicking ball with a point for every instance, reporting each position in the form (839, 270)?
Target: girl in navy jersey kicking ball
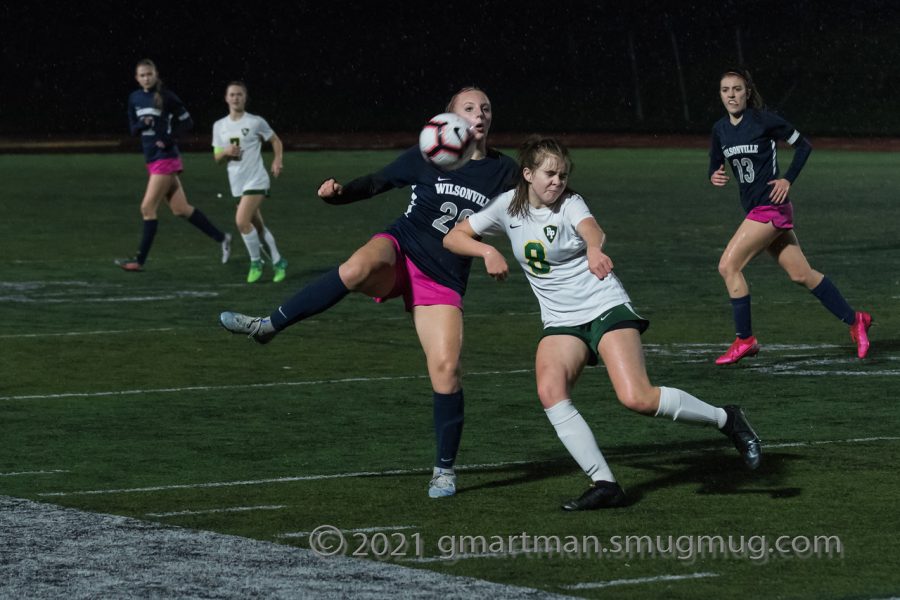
(158, 115)
(586, 313)
(745, 138)
(408, 259)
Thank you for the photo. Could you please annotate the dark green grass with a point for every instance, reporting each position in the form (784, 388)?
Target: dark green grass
(166, 398)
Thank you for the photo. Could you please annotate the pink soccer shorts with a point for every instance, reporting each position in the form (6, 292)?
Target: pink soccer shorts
(417, 288)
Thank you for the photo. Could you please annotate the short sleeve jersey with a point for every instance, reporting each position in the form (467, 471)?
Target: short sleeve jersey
(249, 132)
(439, 200)
(164, 122)
(554, 257)
(749, 148)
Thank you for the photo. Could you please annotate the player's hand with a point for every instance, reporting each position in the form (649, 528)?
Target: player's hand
(495, 265)
(779, 191)
(329, 189)
(719, 178)
(276, 167)
(599, 264)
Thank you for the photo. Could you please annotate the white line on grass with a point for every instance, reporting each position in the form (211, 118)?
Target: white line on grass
(243, 386)
(300, 534)
(218, 510)
(467, 555)
(296, 478)
(76, 333)
(50, 472)
(614, 582)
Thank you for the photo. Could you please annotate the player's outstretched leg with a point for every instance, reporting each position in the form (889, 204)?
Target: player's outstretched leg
(738, 428)
(260, 329)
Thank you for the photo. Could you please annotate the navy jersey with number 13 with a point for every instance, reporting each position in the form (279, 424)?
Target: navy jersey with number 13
(749, 148)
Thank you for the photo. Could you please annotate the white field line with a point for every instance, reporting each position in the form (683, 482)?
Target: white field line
(392, 472)
(604, 584)
(78, 333)
(49, 472)
(218, 510)
(467, 555)
(243, 386)
(301, 534)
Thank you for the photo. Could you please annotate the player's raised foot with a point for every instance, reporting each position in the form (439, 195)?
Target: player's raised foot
(738, 428)
(601, 494)
(129, 264)
(255, 271)
(226, 248)
(740, 348)
(260, 329)
(859, 333)
(280, 270)
(442, 485)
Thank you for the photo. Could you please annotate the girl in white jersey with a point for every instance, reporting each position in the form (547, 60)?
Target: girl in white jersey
(586, 312)
(237, 141)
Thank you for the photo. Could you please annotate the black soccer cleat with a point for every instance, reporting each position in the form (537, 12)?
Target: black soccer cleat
(601, 494)
(738, 428)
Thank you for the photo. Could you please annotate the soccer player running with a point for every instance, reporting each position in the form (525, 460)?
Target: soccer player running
(237, 142)
(158, 116)
(408, 259)
(585, 311)
(746, 139)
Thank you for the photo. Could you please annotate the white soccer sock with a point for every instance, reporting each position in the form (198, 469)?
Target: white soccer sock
(270, 242)
(681, 406)
(251, 240)
(578, 439)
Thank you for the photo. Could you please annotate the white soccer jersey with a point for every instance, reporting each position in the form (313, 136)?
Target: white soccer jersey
(554, 257)
(249, 132)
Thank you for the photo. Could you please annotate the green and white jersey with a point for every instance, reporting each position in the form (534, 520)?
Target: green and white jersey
(554, 257)
(249, 132)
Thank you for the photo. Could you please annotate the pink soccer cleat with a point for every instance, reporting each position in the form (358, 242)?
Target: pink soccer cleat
(740, 348)
(859, 333)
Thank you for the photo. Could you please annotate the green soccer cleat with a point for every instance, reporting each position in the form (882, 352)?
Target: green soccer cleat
(255, 271)
(280, 270)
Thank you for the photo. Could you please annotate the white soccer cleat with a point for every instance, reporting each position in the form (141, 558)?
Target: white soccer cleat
(442, 485)
(260, 329)
(226, 248)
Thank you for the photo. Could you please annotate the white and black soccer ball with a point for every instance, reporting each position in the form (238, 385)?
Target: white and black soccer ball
(447, 141)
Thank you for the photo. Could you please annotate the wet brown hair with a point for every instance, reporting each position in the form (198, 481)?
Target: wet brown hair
(532, 154)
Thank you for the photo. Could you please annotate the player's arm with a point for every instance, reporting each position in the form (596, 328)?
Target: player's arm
(717, 175)
(599, 263)
(802, 149)
(403, 171)
(278, 149)
(182, 121)
(461, 240)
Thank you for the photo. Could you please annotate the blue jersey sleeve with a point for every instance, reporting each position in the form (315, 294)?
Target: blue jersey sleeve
(403, 171)
(779, 129)
(181, 118)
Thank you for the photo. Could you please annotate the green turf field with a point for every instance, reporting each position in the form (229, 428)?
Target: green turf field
(120, 394)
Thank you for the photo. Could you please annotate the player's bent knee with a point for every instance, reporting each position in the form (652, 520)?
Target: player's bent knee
(644, 403)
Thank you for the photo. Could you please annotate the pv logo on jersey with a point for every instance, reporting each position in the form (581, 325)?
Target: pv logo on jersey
(550, 232)
(245, 131)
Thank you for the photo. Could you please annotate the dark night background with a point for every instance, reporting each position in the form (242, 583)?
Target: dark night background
(561, 66)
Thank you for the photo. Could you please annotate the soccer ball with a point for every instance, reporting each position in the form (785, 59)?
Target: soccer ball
(446, 141)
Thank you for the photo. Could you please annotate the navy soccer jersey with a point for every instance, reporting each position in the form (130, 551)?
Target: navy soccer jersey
(439, 200)
(749, 149)
(157, 124)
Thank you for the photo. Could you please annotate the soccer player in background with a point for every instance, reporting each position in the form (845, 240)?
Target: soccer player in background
(408, 259)
(585, 311)
(746, 138)
(237, 142)
(158, 116)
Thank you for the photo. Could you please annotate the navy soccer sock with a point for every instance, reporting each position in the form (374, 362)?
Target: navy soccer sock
(740, 308)
(448, 426)
(831, 298)
(147, 240)
(199, 220)
(318, 296)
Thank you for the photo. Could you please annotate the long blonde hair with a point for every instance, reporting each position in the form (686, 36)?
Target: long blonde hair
(532, 154)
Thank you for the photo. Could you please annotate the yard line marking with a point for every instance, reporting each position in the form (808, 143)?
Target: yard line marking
(300, 534)
(50, 472)
(478, 467)
(778, 371)
(614, 582)
(467, 555)
(240, 386)
(215, 484)
(217, 510)
(74, 333)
